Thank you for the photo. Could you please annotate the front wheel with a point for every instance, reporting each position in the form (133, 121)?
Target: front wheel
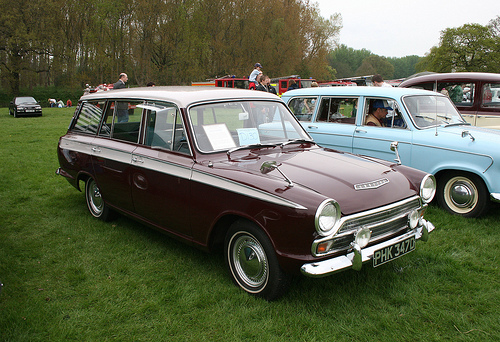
(95, 203)
(252, 262)
(463, 194)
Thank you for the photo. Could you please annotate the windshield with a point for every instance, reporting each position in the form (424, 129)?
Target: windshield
(429, 111)
(20, 100)
(229, 125)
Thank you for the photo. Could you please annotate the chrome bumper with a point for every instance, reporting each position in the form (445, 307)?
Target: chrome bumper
(495, 197)
(359, 256)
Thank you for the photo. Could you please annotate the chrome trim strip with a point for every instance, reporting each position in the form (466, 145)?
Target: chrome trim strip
(229, 185)
(181, 172)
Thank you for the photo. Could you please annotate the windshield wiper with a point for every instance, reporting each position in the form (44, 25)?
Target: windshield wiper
(250, 146)
(297, 141)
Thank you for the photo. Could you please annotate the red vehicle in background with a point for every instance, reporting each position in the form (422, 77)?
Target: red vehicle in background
(339, 83)
(281, 84)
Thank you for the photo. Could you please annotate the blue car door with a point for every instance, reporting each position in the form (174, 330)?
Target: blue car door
(376, 141)
(334, 122)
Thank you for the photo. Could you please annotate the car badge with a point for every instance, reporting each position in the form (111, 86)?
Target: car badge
(371, 185)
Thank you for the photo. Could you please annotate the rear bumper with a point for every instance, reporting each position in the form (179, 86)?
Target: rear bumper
(359, 256)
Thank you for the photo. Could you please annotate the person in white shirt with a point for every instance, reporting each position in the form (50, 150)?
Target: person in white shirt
(378, 81)
(253, 76)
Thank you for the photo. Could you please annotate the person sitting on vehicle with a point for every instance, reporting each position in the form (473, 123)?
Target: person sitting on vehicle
(253, 76)
(380, 108)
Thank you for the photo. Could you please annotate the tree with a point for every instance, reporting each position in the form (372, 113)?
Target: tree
(346, 60)
(376, 65)
(404, 66)
(26, 40)
(471, 47)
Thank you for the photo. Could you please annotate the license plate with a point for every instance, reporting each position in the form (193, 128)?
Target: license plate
(30, 110)
(392, 252)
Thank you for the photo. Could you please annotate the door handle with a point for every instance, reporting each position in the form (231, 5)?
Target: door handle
(96, 149)
(358, 130)
(312, 127)
(137, 160)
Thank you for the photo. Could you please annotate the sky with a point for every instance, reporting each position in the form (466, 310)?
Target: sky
(398, 28)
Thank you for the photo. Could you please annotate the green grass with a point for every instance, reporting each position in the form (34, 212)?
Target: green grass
(69, 277)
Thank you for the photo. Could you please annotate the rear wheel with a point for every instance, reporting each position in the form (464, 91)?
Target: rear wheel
(252, 262)
(95, 203)
(463, 194)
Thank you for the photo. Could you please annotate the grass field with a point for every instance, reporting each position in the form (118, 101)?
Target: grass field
(69, 277)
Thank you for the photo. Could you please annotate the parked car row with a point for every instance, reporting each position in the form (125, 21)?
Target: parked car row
(234, 170)
(424, 129)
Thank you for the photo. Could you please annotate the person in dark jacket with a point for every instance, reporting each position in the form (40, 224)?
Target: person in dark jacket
(121, 107)
(265, 85)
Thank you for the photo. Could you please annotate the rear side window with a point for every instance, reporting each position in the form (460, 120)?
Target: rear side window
(491, 95)
(303, 107)
(122, 120)
(461, 94)
(337, 109)
(89, 118)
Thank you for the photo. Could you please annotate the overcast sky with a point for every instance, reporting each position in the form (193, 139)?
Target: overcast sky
(398, 28)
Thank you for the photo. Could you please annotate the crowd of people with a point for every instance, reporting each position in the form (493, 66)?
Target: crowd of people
(59, 103)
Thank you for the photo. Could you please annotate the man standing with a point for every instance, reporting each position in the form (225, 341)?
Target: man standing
(121, 107)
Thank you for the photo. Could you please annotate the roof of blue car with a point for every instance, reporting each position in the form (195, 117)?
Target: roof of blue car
(394, 92)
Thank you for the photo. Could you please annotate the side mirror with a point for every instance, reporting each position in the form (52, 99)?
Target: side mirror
(394, 148)
(268, 166)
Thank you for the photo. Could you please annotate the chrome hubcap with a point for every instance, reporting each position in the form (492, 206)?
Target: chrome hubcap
(95, 198)
(250, 261)
(461, 194)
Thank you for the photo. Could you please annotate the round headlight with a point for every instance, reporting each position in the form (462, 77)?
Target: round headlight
(327, 217)
(413, 219)
(428, 188)
(362, 237)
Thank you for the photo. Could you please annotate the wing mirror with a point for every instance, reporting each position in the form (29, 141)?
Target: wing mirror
(269, 166)
(394, 148)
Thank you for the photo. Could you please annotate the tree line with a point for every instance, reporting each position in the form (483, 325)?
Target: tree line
(171, 42)
(69, 43)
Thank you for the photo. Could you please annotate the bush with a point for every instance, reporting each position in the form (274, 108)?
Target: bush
(42, 94)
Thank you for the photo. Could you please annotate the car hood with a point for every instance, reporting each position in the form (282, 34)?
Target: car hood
(319, 173)
(471, 139)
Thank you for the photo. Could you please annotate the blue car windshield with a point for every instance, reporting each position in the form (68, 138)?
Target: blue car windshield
(430, 111)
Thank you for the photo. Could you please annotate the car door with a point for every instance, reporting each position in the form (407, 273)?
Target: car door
(333, 122)
(161, 170)
(376, 141)
(112, 153)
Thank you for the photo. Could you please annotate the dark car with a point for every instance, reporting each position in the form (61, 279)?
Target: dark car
(25, 106)
(233, 169)
(475, 94)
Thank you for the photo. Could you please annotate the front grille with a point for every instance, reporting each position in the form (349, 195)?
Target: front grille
(383, 222)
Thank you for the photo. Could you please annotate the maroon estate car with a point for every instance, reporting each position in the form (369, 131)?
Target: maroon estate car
(475, 94)
(233, 169)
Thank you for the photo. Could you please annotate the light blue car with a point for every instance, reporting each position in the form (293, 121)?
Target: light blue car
(417, 128)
